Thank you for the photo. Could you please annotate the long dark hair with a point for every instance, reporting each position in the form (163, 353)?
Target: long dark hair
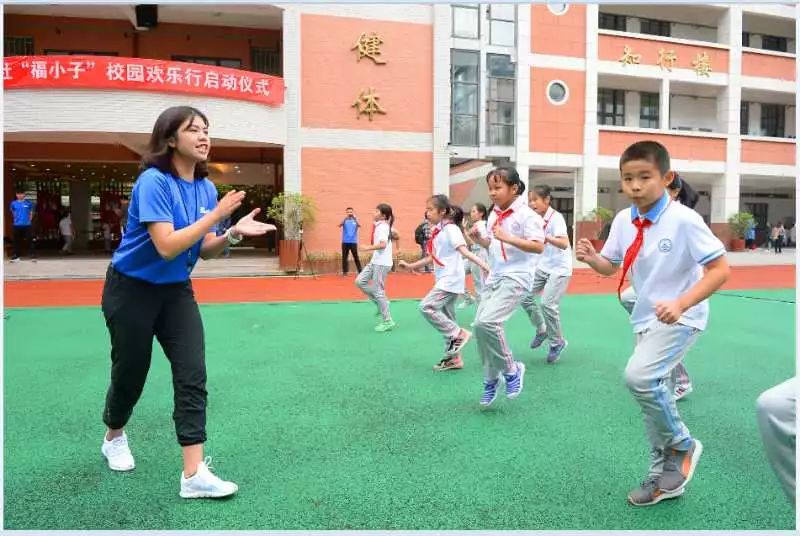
(159, 153)
(386, 210)
(454, 213)
(508, 175)
(482, 209)
(686, 195)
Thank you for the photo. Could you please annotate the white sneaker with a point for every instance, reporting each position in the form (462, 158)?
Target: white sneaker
(204, 484)
(118, 453)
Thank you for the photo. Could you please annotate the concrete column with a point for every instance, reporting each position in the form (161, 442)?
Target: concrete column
(663, 105)
(292, 181)
(585, 179)
(441, 99)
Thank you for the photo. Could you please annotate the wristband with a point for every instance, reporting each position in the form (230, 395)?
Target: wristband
(231, 240)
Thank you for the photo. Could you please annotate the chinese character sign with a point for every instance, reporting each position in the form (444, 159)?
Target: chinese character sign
(702, 64)
(667, 59)
(369, 46)
(628, 57)
(367, 104)
(101, 72)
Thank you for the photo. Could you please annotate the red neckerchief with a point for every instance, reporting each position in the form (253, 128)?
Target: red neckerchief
(547, 221)
(502, 215)
(434, 234)
(633, 250)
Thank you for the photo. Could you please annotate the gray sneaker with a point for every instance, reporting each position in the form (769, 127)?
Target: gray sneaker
(679, 467)
(648, 493)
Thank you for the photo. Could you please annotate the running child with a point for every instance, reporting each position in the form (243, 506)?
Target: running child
(515, 235)
(379, 266)
(677, 263)
(445, 250)
(682, 192)
(477, 216)
(553, 273)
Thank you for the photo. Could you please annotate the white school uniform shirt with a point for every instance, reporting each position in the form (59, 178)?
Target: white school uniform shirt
(555, 261)
(65, 225)
(670, 261)
(382, 257)
(450, 276)
(518, 265)
(480, 225)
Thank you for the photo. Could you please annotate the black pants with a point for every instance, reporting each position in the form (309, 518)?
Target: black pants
(350, 248)
(135, 311)
(22, 237)
(778, 245)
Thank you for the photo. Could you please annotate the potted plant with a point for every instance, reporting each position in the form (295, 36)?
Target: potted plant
(738, 224)
(602, 217)
(296, 213)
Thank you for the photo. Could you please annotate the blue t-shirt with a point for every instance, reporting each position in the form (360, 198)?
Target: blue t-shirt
(349, 231)
(22, 212)
(161, 197)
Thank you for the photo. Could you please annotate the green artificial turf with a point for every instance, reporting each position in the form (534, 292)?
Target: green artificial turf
(325, 424)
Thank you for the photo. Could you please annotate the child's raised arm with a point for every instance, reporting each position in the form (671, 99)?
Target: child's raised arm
(585, 252)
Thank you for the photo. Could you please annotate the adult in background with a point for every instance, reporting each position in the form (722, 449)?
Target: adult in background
(148, 292)
(350, 227)
(22, 213)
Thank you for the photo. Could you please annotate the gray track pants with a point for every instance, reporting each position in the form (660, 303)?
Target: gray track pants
(776, 410)
(376, 293)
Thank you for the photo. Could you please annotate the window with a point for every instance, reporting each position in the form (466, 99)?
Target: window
(557, 92)
(18, 46)
(558, 9)
(219, 62)
(613, 22)
(745, 39)
(772, 42)
(649, 109)
(773, 120)
(466, 21)
(655, 27)
(53, 52)
(502, 24)
(744, 118)
(266, 61)
(464, 83)
(500, 99)
(611, 107)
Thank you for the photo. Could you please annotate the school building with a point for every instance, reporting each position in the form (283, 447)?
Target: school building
(359, 104)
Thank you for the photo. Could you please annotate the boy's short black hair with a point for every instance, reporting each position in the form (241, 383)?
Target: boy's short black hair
(349, 208)
(652, 151)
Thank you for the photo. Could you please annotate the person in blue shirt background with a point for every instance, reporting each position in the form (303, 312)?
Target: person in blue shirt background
(22, 212)
(750, 235)
(172, 218)
(350, 227)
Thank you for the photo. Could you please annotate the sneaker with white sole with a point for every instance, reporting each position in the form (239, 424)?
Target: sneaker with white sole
(679, 466)
(206, 485)
(458, 342)
(648, 493)
(118, 453)
(449, 363)
(683, 390)
(538, 339)
(555, 351)
(489, 392)
(514, 381)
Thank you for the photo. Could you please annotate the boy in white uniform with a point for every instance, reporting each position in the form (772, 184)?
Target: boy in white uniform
(667, 247)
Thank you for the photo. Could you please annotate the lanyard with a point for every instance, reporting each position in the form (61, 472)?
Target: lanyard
(189, 221)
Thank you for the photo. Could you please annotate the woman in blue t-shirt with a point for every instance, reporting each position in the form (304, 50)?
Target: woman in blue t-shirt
(172, 217)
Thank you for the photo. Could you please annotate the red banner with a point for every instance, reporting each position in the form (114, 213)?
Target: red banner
(137, 74)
